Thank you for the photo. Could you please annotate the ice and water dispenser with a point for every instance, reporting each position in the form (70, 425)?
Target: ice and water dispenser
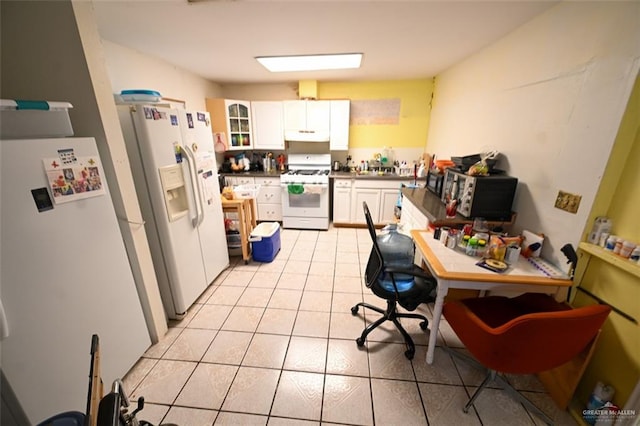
(175, 191)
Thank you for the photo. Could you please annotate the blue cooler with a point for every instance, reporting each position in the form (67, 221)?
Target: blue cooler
(265, 241)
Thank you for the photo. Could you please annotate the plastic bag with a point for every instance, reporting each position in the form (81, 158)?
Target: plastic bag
(481, 168)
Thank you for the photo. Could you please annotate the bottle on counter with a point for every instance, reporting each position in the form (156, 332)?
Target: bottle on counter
(481, 250)
(627, 249)
(472, 247)
(618, 246)
(611, 242)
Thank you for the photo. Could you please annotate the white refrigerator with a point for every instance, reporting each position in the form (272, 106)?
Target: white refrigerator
(65, 276)
(176, 179)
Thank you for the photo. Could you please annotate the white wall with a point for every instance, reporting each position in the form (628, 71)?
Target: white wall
(130, 69)
(550, 97)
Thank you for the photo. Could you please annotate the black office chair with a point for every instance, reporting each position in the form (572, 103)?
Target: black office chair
(405, 286)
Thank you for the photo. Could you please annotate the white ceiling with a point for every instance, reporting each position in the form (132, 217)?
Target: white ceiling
(218, 39)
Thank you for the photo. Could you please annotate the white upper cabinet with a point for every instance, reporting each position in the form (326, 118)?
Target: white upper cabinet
(268, 125)
(307, 120)
(339, 132)
(233, 118)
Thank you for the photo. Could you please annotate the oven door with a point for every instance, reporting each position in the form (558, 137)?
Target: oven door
(305, 200)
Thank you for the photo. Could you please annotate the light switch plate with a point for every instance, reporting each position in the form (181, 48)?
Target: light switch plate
(568, 202)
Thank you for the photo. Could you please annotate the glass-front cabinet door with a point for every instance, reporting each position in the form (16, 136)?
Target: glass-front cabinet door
(239, 124)
(233, 118)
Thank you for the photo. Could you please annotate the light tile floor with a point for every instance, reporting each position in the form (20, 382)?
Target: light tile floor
(274, 343)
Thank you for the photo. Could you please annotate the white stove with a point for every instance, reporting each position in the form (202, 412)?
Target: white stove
(308, 168)
(305, 192)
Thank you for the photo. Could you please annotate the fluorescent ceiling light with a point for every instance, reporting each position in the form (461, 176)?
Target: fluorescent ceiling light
(310, 62)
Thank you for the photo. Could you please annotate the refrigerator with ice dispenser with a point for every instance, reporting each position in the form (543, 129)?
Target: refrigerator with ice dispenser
(175, 173)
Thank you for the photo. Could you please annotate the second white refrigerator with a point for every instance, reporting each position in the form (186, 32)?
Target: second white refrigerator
(175, 173)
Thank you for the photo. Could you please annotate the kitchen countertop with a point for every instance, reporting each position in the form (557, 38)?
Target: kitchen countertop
(433, 208)
(252, 174)
(334, 175)
(387, 176)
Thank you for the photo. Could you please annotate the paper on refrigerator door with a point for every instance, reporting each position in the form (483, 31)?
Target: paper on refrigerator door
(71, 178)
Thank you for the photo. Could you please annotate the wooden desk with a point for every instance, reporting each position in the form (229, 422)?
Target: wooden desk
(244, 208)
(454, 269)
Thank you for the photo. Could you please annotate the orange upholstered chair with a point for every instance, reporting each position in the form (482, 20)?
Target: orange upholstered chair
(527, 334)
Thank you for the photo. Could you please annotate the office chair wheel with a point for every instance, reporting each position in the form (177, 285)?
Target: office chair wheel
(409, 353)
(354, 310)
(424, 325)
(360, 341)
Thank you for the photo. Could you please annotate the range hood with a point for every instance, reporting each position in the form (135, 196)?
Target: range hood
(306, 136)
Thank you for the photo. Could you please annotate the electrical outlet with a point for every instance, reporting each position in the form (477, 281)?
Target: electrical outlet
(568, 202)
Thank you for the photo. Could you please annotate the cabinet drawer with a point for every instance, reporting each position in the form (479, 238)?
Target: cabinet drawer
(239, 180)
(268, 181)
(379, 183)
(342, 183)
(269, 195)
(270, 212)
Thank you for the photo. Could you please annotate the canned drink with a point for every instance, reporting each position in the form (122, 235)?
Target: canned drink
(512, 255)
(452, 239)
(444, 234)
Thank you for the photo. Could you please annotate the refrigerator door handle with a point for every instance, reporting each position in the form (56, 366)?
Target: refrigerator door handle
(191, 159)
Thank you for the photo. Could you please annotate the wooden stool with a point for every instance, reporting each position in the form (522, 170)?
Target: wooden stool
(244, 208)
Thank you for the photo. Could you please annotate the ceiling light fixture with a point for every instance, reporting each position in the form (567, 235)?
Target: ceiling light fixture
(311, 62)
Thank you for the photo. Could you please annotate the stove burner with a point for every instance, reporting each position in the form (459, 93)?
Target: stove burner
(313, 172)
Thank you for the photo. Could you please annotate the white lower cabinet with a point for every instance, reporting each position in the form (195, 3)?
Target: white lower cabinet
(269, 200)
(270, 212)
(369, 195)
(411, 217)
(239, 180)
(388, 202)
(342, 201)
(381, 196)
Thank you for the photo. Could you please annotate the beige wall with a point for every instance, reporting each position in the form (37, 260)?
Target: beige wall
(130, 69)
(549, 96)
(261, 92)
